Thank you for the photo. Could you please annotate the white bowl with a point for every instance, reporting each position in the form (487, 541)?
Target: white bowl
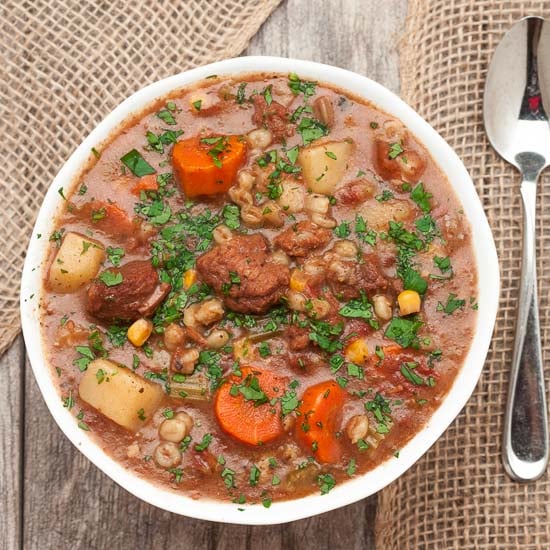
(342, 494)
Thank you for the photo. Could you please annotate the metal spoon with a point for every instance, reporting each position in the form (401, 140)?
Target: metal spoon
(517, 91)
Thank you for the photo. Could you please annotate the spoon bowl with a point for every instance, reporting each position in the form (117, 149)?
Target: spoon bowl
(516, 91)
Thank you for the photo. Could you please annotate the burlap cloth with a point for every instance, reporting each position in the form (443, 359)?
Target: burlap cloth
(458, 496)
(64, 64)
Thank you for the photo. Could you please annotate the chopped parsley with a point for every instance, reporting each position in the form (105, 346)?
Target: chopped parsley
(364, 234)
(395, 150)
(292, 154)
(68, 402)
(421, 197)
(336, 361)
(250, 390)
(167, 117)
(301, 86)
(386, 195)
(407, 370)
(135, 162)
(228, 476)
(355, 371)
(211, 360)
(326, 483)
(402, 236)
(98, 214)
(86, 356)
(178, 474)
(311, 129)
(403, 331)
(117, 335)
(218, 146)
(381, 410)
(426, 225)
(267, 94)
(57, 237)
(453, 303)
(264, 349)
(157, 142)
(231, 215)
(83, 426)
(342, 231)
(274, 190)
(443, 263)
(203, 445)
(254, 476)
(240, 97)
(360, 308)
(115, 254)
(325, 335)
(110, 278)
(289, 402)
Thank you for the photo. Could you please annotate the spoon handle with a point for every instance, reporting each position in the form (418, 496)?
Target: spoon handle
(525, 441)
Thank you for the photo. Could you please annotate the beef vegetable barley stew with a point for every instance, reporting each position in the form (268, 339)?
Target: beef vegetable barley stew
(259, 288)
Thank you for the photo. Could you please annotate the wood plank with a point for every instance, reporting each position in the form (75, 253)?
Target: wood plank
(70, 503)
(12, 366)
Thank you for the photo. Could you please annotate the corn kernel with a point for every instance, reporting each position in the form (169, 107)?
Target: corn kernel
(357, 352)
(189, 278)
(139, 331)
(409, 302)
(298, 280)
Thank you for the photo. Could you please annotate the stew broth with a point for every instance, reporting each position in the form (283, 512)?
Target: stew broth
(275, 274)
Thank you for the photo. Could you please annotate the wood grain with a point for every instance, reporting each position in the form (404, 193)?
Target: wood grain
(12, 371)
(52, 497)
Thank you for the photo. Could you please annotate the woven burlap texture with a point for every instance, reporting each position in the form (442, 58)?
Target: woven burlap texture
(64, 65)
(458, 496)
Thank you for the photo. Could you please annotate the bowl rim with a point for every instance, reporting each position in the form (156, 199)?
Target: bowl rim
(353, 489)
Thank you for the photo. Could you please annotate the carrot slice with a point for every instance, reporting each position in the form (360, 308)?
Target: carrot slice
(208, 166)
(145, 183)
(321, 412)
(243, 408)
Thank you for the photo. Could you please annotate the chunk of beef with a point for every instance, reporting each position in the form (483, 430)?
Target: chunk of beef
(243, 275)
(138, 295)
(396, 158)
(356, 192)
(274, 117)
(297, 338)
(301, 238)
(346, 278)
(323, 110)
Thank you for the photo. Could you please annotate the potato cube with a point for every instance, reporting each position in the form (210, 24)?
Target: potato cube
(119, 394)
(77, 261)
(378, 214)
(323, 166)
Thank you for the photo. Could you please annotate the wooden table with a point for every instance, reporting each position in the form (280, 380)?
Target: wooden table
(54, 498)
